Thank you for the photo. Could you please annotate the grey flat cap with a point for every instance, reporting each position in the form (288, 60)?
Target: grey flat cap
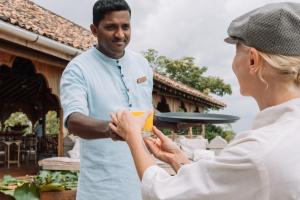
(273, 28)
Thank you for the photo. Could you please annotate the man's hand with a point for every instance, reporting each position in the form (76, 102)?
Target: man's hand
(166, 150)
(114, 136)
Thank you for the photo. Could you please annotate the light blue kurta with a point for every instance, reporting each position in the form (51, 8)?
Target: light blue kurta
(96, 85)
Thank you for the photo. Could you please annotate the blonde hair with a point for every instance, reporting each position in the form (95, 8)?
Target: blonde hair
(284, 67)
(287, 67)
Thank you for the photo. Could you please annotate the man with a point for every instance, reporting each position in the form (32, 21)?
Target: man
(102, 80)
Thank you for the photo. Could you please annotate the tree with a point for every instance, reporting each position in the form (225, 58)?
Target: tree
(18, 119)
(52, 123)
(211, 131)
(185, 70)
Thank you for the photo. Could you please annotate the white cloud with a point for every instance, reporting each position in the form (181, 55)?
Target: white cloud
(178, 28)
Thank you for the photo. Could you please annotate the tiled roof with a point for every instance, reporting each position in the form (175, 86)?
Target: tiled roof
(30, 16)
(186, 89)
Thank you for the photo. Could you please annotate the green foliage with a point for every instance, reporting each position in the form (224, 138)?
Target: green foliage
(196, 130)
(211, 131)
(166, 131)
(18, 119)
(185, 70)
(30, 188)
(56, 180)
(52, 123)
(27, 191)
(8, 180)
(180, 109)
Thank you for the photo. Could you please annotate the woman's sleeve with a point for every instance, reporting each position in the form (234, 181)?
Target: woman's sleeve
(232, 175)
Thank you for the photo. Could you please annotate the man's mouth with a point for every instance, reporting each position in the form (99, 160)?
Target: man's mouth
(119, 43)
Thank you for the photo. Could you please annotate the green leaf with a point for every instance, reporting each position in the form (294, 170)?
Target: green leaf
(27, 191)
(52, 187)
(7, 180)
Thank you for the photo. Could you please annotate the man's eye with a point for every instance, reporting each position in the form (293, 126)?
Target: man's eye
(110, 28)
(125, 27)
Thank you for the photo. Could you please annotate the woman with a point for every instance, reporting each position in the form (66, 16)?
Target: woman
(261, 163)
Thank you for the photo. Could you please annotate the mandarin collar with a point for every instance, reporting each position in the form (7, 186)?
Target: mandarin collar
(107, 59)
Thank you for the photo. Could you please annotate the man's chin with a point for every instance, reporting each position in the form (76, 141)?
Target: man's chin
(118, 53)
(119, 50)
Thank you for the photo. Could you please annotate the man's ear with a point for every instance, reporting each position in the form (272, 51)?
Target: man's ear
(93, 29)
(254, 61)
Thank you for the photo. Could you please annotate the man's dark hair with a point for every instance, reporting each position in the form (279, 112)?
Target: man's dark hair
(101, 7)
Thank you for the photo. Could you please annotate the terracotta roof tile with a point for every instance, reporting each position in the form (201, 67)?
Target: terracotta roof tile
(186, 89)
(30, 16)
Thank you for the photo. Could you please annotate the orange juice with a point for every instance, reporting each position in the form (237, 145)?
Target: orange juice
(149, 121)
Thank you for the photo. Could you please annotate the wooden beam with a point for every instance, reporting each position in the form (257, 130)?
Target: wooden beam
(22, 51)
(26, 94)
(7, 91)
(23, 93)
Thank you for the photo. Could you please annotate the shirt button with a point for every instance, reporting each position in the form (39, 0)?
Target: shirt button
(130, 105)
(119, 66)
(122, 75)
(128, 90)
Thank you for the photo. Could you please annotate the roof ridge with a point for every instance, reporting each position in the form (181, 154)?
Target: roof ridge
(186, 87)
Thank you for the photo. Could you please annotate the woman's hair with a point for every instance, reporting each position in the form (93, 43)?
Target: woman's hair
(287, 67)
(284, 67)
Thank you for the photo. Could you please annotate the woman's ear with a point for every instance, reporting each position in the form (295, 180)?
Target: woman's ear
(254, 61)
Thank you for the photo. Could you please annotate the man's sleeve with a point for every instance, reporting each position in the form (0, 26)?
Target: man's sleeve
(73, 92)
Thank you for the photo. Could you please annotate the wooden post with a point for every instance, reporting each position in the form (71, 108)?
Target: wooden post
(203, 130)
(174, 135)
(190, 133)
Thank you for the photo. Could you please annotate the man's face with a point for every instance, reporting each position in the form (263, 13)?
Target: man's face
(113, 33)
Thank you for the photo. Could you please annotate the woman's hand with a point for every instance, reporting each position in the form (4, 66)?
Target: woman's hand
(128, 126)
(166, 150)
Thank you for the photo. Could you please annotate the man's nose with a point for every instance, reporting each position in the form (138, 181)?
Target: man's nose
(119, 34)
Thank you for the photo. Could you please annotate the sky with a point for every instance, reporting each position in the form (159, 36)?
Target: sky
(178, 28)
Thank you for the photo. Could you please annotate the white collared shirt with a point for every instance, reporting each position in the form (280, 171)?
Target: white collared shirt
(260, 164)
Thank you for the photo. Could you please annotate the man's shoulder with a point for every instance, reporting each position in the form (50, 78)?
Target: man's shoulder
(140, 60)
(83, 56)
(80, 60)
(136, 55)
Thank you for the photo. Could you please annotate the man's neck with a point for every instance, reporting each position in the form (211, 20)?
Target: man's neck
(109, 54)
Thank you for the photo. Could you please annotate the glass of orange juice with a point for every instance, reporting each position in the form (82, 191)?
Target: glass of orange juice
(147, 129)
